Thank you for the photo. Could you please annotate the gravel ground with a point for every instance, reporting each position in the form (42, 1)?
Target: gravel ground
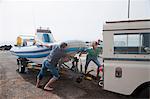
(14, 85)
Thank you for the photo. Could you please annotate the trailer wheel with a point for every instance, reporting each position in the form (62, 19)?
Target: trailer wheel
(21, 62)
(21, 69)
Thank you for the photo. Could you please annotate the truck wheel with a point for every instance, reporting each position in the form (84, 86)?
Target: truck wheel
(145, 93)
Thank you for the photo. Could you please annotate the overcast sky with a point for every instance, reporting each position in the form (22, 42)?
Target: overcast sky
(67, 19)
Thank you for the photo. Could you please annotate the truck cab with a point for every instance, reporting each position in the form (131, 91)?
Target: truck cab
(126, 55)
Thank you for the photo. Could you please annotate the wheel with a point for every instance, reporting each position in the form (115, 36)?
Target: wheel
(21, 65)
(21, 69)
(100, 83)
(144, 93)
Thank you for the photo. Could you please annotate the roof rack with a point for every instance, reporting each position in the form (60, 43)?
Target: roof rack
(44, 30)
(128, 21)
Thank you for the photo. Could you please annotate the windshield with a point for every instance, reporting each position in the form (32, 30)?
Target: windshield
(46, 38)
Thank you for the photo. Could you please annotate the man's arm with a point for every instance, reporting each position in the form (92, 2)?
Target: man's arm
(83, 52)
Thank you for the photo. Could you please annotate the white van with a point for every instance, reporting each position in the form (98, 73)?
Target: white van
(126, 54)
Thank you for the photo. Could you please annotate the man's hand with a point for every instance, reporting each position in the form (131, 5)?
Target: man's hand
(71, 55)
(66, 59)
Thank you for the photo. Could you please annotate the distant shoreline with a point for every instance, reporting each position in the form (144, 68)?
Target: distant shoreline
(6, 43)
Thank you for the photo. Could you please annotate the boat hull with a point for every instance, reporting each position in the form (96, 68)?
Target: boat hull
(37, 53)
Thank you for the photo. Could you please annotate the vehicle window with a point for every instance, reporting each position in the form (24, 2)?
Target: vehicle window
(133, 40)
(39, 36)
(120, 40)
(131, 43)
(46, 38)
(146, 40)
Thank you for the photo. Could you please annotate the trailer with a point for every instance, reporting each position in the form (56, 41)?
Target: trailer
(126, 55)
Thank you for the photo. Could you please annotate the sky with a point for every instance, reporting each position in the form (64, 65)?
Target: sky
(67, 19)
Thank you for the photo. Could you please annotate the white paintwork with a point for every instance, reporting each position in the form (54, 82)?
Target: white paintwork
(134, 73)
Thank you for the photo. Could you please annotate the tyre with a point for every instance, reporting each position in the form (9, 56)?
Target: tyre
(21, 65)
(144, 93)
(100, 83)
(22, 69)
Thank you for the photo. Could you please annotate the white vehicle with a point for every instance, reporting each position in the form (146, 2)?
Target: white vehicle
(126, 54)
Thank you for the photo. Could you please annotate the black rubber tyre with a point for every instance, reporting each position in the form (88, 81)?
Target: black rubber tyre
(22, 69)
(22, 63)
(144, 93)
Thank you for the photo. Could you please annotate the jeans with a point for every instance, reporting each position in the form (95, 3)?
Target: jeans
(47, 65)
(94, 59)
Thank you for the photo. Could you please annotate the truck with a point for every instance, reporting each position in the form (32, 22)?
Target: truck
(126, 57)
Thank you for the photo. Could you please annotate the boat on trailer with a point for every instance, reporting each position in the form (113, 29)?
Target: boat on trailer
(44, 44)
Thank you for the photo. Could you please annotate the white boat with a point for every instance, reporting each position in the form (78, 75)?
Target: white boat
(36, 53)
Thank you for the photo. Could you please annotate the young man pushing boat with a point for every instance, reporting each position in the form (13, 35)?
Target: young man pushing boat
(50, 63)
